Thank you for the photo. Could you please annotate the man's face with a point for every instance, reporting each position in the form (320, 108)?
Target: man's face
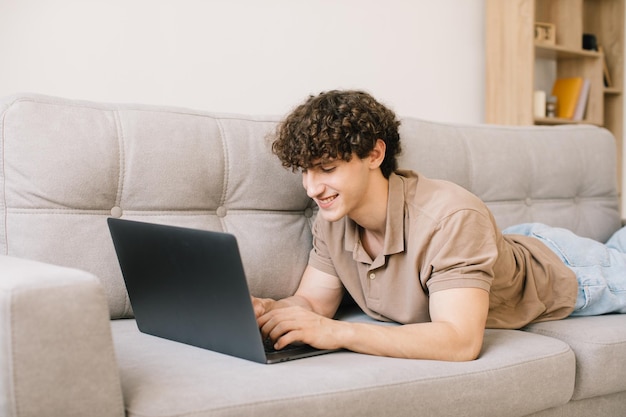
(338, 187)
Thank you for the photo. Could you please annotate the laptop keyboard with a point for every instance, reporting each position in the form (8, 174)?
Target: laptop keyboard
(269, 347)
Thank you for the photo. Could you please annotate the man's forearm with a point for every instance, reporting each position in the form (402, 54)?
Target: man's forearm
(436, 341)
(455, 333)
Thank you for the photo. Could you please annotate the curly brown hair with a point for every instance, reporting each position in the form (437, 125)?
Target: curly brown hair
(336, 125)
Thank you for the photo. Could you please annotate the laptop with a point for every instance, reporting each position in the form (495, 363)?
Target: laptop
(189, 286)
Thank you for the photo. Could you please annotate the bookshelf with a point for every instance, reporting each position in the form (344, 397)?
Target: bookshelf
(517, 64)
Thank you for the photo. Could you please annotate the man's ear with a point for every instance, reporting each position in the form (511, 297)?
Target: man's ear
(377, 155)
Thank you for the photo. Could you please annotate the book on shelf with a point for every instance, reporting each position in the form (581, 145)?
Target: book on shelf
(567, 91)
(583, 98)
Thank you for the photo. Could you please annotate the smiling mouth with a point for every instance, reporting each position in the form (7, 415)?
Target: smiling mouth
(326, 201)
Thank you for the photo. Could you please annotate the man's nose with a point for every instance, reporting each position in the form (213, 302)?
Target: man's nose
(311, 185)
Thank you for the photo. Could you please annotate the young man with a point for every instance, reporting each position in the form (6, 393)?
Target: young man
(424, 253)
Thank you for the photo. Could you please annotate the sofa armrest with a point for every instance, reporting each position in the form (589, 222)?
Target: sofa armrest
(56, 348)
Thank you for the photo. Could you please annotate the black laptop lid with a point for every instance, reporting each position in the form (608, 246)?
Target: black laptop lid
(188, 285)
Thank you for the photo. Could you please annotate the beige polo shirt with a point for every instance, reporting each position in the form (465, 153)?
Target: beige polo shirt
(439, 236)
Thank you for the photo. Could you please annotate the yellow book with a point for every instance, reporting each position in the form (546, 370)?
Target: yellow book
(567, 91)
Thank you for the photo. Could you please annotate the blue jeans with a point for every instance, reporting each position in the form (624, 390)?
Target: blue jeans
(600, 268)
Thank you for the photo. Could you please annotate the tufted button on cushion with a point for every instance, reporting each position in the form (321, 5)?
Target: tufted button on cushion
(116, 212)
(221, 211)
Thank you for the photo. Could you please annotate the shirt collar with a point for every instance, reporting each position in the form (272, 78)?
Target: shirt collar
(394, 223)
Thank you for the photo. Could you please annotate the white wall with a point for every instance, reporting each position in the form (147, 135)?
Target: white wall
(424, 58)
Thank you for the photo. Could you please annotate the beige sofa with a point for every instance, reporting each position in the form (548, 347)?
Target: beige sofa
(69, 345)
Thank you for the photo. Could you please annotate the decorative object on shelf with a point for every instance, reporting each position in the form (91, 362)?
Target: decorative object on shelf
(551, 105)
(567, 92)
(590, 42)
(581, 105)
(545, 33)
(539, 104)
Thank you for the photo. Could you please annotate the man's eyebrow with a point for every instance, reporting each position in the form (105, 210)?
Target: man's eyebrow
(322, 161)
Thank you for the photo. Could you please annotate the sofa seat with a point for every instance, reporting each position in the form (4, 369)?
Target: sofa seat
(599, 343)
(164, 378)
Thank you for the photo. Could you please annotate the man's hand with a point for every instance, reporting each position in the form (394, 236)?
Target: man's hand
(297, 324)
(262, 306)
(304, 317)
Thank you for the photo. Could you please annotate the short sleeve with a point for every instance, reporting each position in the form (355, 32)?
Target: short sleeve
(463, 252)
(319, 257)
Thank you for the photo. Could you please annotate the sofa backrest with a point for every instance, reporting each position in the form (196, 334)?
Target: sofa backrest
(68, 165)
(564, 176)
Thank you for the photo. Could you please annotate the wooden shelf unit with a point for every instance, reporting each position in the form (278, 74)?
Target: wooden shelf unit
(513, 56)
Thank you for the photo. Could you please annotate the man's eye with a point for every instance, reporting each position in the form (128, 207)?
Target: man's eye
(327, 169)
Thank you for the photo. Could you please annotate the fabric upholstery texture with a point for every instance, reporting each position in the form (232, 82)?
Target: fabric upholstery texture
(69, 310)
(556, 175)
(193, 381)
(606, 405)
(67, 165)
(599, 344)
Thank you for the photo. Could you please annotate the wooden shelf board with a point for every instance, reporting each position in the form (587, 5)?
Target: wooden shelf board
(553, 121)
(557, 51)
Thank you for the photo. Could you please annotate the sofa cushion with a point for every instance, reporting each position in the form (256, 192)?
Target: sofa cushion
(68, 165)
(598, 343)
(563, 176)
(164, 378)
